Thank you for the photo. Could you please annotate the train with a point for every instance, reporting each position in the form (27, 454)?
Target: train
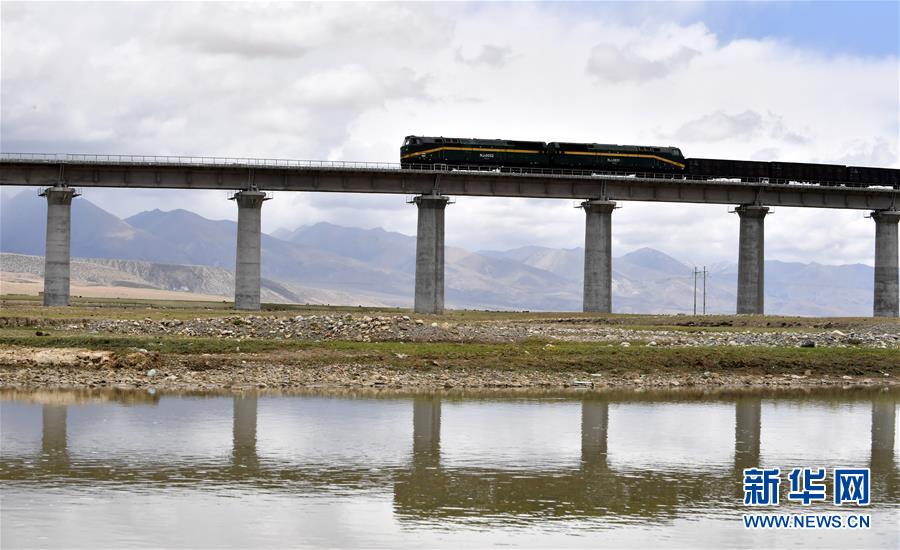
(502, 154)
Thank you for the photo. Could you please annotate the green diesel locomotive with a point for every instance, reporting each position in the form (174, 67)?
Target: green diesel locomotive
(417, 150)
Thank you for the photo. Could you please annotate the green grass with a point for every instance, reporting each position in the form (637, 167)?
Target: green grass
(532, 354)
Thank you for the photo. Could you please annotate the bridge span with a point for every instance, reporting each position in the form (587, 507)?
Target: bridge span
(251, 178)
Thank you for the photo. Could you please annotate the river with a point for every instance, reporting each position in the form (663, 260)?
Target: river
(114, 469)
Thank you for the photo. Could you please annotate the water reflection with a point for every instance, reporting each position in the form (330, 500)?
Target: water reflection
(53, 437)
(631, 478)
(747, 426)
(244, 453)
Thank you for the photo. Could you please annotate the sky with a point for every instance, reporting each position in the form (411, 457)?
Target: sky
(804, 82)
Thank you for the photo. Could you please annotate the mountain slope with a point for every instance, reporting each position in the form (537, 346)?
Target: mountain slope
(374, 266)
(213, 242)
(471, 279)
(95, 232)
(375, 247)
(565, 262)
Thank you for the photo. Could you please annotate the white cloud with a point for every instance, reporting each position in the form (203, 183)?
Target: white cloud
(718, 126)
(615, 65)
(490, 55)
(348, 81)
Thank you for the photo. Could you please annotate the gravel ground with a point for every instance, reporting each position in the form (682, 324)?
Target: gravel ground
(45, 367)
(29, 368)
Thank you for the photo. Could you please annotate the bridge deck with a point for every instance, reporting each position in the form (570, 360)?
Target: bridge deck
(374, 177)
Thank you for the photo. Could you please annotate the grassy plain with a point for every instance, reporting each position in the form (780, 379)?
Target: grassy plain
(45, 329)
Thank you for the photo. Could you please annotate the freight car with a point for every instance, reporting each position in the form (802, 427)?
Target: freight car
(724, 168)
(422, 152)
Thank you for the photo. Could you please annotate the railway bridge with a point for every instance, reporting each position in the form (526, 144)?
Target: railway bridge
(432, 186)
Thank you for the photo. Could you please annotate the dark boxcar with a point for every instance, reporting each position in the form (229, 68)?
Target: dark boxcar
(829, 173)
(890, 177)
(809, 173)
(706, 167)
(750, 169)
(724, 168)
(616, 158)
(864, 176)
(419, 150)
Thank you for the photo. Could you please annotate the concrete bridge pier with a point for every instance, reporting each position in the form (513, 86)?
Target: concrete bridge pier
(598, 255)
(430, 253)
(751, 259)
(887, 294)
(247, 260)
(57, 252)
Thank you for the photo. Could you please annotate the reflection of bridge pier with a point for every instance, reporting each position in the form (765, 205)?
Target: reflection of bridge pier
(883, 428)
(881, 463)
(747, 428)
(428, 488)
(594, 430)
(54, 445)
(244, 433)
(427, 432)
(747, 425)
(424, 484)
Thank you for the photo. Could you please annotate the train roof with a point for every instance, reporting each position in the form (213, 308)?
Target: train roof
(471, 141)
(614, 147)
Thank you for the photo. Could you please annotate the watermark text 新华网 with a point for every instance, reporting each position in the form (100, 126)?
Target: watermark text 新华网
(849, 487)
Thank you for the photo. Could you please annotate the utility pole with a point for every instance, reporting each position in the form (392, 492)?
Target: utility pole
(695, 290)
(705, 273)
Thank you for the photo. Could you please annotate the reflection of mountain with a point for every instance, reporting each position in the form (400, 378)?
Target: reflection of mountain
(343, 265)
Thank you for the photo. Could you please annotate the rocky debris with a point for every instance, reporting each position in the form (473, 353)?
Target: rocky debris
(203, 372)
(363, 328)
(55, 357)
(381, 328)
(875, 336)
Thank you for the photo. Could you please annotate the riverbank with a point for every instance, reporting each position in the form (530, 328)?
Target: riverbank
(531, 365)
(188, 347)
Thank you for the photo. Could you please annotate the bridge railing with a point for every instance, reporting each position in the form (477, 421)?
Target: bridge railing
(184, 160)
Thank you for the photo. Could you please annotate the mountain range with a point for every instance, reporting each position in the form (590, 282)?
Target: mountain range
(326, 262)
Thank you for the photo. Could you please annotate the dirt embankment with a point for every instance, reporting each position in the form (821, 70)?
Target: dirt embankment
(543, 367)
